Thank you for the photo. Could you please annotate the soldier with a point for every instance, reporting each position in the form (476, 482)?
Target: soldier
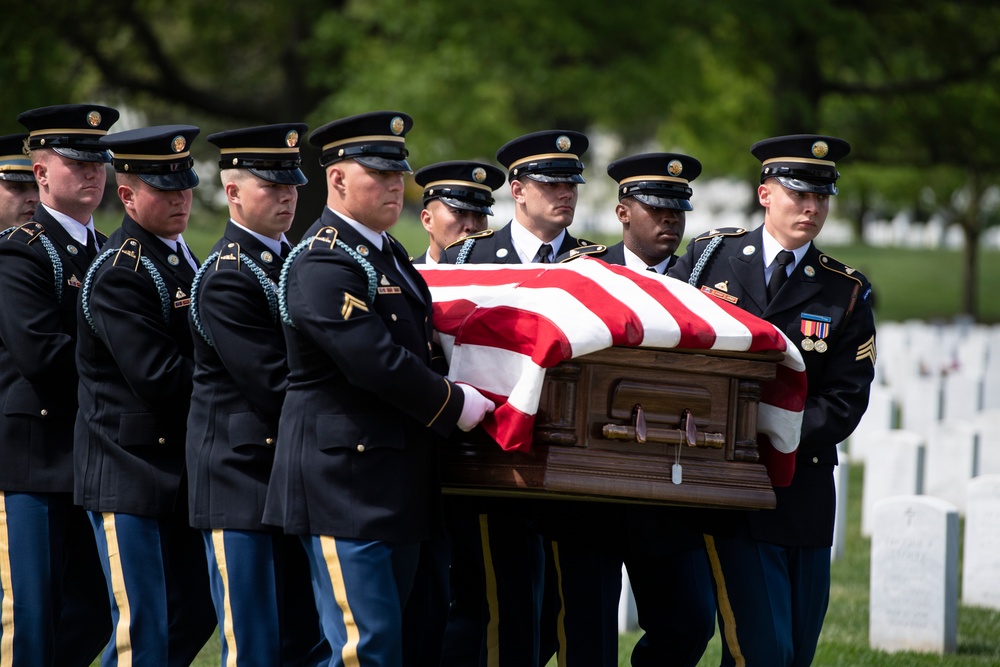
(18, 189)
(557, 591)
(664, 551)
(259, 576)
(771, 569)
(355, 466)
(457, 198)
(135, 358)
(54, 609)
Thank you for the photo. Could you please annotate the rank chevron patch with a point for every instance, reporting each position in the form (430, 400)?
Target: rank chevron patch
(867, 350)
(350, 303)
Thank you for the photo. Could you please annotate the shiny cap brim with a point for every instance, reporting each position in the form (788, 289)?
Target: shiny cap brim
(83, 156)
(675, 203)
(799, 185)
(181, 180)
(282, 176)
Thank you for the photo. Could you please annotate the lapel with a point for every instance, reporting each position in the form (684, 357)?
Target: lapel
(63, 242)
(615, 254)
(748, 270)
(502, 239)
(160, 252)
(387, 274)
(255, 249)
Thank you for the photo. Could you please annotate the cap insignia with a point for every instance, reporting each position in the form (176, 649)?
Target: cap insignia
(563, 143)
(396, 125)
(479, 174)
(820, 149)
(674, 167)
(94, 118)
(292, 139)
(178, 143)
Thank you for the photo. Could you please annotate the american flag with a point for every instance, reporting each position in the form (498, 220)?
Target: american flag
(502, 325)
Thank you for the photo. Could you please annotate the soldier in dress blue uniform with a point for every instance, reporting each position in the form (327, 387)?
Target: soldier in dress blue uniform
(664, 550)
(772, 568)
(355, 469)
(54, 609)
(457, 198)
(135, 357)
(260, 577)
(543, 584)
(18, 189)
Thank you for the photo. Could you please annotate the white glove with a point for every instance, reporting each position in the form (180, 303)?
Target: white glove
(474, 409)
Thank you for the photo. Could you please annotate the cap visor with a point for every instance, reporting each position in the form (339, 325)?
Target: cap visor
(282, 176)
(19, 176)
(181, 180)
(555, 178)
(82, 155)
(664, 202)
(383, 163)
(807, 186)
(466, 206)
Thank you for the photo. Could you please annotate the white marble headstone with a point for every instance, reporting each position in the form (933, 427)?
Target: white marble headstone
(962, 394)
(952, 459)
(987, 425)
(914, 575)
(895, 467)
(981, 566)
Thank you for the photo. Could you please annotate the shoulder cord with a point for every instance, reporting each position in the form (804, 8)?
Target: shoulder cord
(265, 283)
(88, 283)
(703, 260)
(463, 253)
(57, 269)
(283, 282)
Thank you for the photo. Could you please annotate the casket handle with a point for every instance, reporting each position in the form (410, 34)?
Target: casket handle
(642, 433)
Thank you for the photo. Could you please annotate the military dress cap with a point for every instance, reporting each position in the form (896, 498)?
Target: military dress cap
(803, 162)
(461, 184)
(72, 130)
(270, 152)
(375, 139)
(549, 156)
(159, 155)
(656, 179)
(15, 165)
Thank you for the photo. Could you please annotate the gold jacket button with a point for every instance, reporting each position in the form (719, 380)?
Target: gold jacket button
(162, 441)
(394, 318)
(361, 447)
(815, 459)
(269, 441)
(44, 412)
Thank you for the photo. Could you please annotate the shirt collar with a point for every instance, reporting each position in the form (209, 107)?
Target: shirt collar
(633, 262)
(772, 248)
(74, 228)
(273, 244)
(373, 237)
(527, 244)
(428, 259)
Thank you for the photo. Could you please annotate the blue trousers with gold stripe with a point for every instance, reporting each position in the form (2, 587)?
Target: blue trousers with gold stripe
(161, 609)
(263, 599)
(360, 589)
(771, 599)
(52, 601)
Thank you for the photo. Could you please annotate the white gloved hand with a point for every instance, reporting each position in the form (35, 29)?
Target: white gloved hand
(475, 407)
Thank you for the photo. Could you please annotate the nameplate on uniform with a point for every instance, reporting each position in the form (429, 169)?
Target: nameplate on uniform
(390, 290)
(719, 294)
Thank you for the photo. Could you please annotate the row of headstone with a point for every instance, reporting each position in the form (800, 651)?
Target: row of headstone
(914, 567)
(938, 461)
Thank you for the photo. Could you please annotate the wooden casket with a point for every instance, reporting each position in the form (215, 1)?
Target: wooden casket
(611, 426)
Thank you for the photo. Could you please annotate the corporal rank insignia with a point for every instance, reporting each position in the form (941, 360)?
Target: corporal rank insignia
(350, 303)
(814, 325)
(866, 351)
(74, 281)
(719, 294)
(181, 299)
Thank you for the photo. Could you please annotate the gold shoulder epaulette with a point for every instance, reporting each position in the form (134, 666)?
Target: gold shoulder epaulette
(486, 233)
(28, 232)
(128, 255)
(587, 249)
(831, 264)
(722, 231)
(325, 238)
(229, 257)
